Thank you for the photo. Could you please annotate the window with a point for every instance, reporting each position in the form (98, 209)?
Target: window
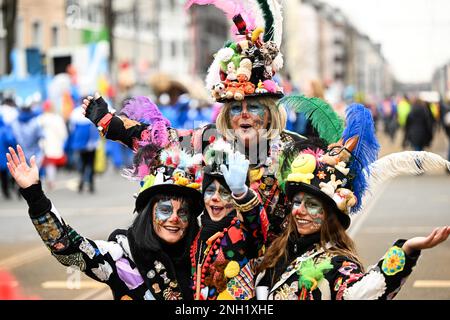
(36, 34)
(19, 33)
(55, 36)
(173, 49)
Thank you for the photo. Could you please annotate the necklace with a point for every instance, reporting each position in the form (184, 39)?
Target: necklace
(201, 267)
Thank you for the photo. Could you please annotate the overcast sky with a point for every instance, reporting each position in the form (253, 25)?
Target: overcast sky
(414, 34)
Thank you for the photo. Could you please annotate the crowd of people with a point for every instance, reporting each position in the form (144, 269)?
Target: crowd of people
(70, 144)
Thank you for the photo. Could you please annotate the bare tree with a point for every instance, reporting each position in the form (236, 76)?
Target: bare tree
(9, 10)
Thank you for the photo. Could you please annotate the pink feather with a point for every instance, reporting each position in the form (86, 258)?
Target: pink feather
(143, 170)
(159, 134)
(230, 8)
(142, 109)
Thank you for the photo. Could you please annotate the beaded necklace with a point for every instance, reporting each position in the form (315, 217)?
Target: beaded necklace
(200, 268)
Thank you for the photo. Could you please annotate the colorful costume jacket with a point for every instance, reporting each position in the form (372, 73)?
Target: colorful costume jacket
(316, 275)
(109, 262)
(224, 254)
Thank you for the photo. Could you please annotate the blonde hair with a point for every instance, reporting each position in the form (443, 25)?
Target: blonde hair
(277, 117)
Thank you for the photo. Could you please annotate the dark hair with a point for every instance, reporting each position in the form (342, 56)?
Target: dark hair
(143, 235)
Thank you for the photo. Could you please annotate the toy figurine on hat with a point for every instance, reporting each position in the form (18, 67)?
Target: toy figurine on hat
(335, 170)
(245, 67)
(160, 162)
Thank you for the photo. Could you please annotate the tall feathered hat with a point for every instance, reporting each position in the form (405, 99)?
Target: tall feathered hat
(160, 163)
(338, 173)
(246, 65)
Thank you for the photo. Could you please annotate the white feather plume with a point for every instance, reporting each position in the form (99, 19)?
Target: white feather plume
(254, 7)
(213, 75)
(275, 7)
(401, 163)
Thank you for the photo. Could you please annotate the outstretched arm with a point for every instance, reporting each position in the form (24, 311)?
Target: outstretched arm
(111, 126)
(436, 237)
(384, 280)
(95, 258)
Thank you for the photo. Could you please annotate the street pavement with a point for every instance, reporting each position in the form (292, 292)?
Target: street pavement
(405, 207)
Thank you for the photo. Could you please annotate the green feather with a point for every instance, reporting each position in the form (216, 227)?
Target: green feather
(268, 19)
(284, 164)
(309, 270)
(322, 116)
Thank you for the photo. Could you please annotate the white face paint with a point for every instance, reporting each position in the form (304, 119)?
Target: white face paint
(218, 202)
(170, 220)
(308, 213)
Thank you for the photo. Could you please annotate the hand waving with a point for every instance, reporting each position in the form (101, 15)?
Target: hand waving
(95, 108)
(436, 237)
(24, 175)
(236, 173)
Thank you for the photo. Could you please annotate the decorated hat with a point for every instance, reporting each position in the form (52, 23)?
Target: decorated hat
(337, 174)
(324, 174)
(246, 65)
(175, 174)
(215, 155)
(160, 163)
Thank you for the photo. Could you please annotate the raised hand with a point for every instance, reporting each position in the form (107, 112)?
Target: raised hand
(95, 108)
(236, 173)
(436, 237)
(24, 175)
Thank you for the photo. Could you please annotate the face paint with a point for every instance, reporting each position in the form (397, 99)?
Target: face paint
(218, 201)
(183, 213)
(211, 190)
(318, 221)
(311, 204)
(236, 110)
(254, 109)
(164, 210)
(257, 110)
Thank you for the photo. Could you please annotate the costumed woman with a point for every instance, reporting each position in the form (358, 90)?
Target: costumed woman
(314, 258)
(230, 233)
(148, 261)
(242, 78)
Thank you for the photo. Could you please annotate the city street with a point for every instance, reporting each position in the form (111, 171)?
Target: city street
(406, 207)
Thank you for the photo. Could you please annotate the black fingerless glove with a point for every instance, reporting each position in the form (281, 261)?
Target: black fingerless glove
(96, 110)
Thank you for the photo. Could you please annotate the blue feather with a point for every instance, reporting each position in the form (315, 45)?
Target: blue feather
(360, 123)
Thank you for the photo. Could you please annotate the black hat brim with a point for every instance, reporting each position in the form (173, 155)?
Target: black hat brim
(171, 190)
(277, 95)
(292, 188)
